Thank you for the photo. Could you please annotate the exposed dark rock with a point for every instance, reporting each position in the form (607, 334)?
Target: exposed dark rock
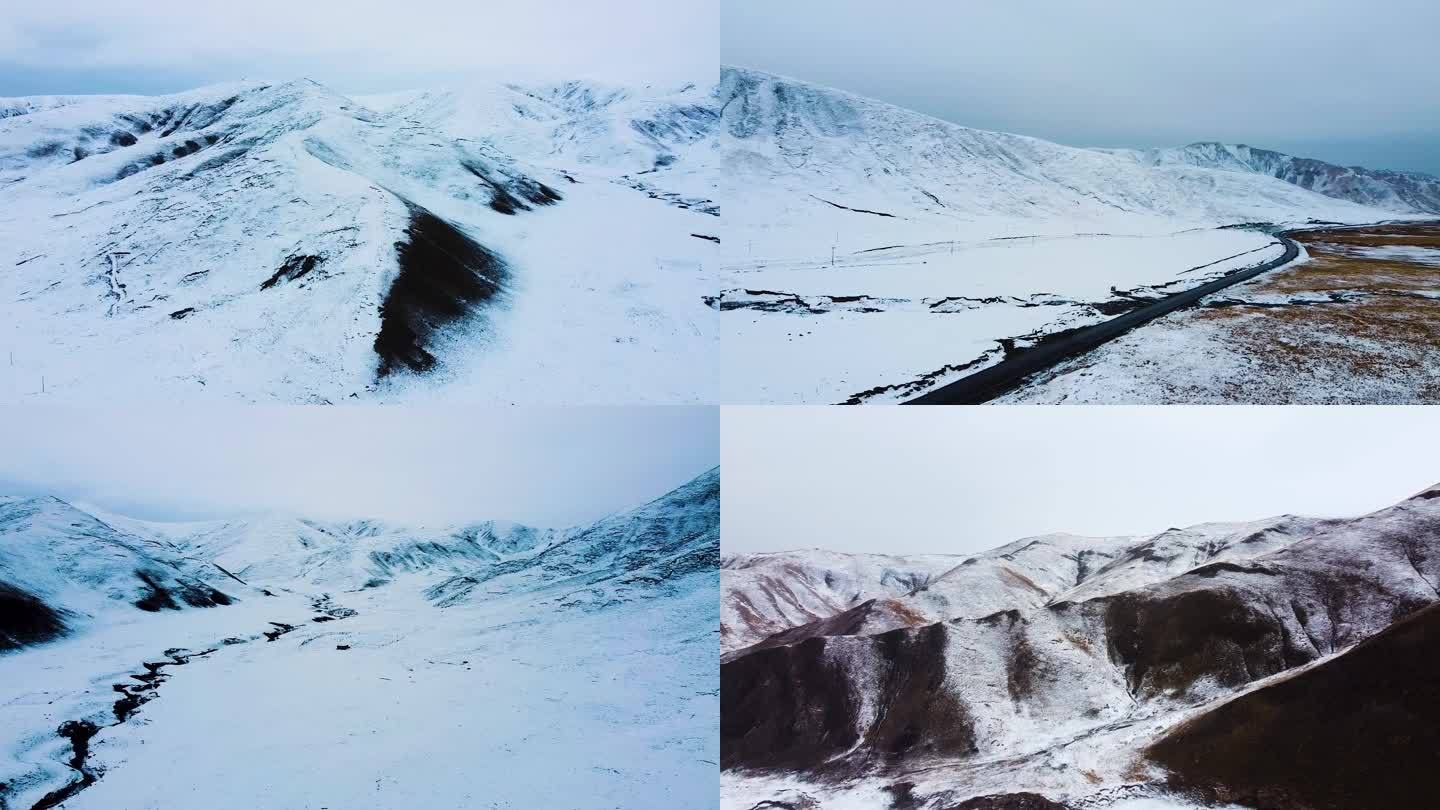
(159, 597)
(25, 619)
(1168, 643)
(1359, 732)
(797, 707)
(444, 276)
(295, 267)
(1010, 801)
(786, 708)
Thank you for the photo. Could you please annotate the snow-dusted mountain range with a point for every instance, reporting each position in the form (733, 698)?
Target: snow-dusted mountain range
(1089, 672)
(125, 645)
(285, 242)
(1401, 192)
(874, 253)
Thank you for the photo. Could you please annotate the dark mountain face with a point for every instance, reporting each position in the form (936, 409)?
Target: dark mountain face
(1358, 732)
(798, 707)
(25, 619)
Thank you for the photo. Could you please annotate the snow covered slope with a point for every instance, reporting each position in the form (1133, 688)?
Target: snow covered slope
(61, 569)
(285, 242)
(790, 142)
(873, 253)
(1064, 696)
(449, 667)
(788, 597)
(1402, 192)
(764, 594)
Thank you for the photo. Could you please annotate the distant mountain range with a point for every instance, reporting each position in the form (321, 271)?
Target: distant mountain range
(1404, 192)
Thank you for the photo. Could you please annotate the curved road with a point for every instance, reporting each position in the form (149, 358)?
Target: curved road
(1013, 371)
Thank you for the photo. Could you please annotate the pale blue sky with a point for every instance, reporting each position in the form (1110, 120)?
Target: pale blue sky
(96, 46)
(1334, 79)
(544, 466)
(962, 480)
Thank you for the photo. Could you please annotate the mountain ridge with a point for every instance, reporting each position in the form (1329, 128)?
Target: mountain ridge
(1064, 696)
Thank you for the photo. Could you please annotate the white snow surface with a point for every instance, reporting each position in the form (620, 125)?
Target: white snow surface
(204, 195)
(489, 665)
(832, 195)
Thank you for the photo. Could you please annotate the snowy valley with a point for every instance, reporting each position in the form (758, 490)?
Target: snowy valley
(286, 662)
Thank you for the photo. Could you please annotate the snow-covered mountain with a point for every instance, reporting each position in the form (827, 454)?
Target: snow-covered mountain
(874, 253)
(283, 241)
(1062, 686)
(764, 594)
(1402, 192)
(853, 162)
(62, 566)
(606, 630)
(791, 596)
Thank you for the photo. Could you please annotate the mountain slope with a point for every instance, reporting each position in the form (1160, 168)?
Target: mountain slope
(285, 242)
(667, 542)
(62, 569)
(764, 594)
(807, 141)
(1355, 732)
(1063, 697)
(1402, 192)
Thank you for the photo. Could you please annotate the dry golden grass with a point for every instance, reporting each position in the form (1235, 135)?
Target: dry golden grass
(1381, 236)
(1386, 334)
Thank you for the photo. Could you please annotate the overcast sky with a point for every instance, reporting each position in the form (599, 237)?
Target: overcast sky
(960, 480)
(544, 466)
(99, 46)
(1340, 80)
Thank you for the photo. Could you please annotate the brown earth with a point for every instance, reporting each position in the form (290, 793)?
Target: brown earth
(1382, 337)
(1359, 732)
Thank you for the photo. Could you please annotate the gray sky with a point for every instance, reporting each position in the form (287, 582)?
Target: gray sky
(959, 480)
(97, 46)
(1339, 80)
(543, 466)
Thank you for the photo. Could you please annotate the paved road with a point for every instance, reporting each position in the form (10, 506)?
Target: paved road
(1013, 371)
